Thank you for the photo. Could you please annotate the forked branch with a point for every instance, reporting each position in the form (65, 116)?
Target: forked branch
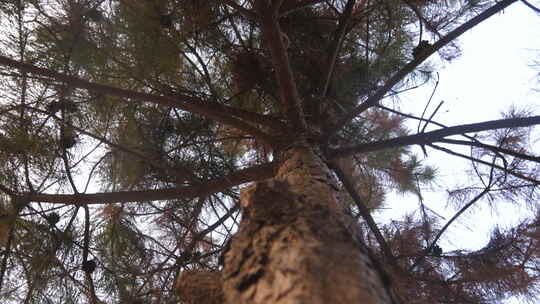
(436, 136)
(289, 96)
(381, 92)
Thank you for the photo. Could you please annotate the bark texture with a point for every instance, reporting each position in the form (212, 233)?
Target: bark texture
(296, 244)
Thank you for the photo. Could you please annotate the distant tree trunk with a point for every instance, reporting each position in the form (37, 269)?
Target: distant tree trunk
(296, 244)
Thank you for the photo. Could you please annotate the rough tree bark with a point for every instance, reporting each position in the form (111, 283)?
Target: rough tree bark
(296, 244)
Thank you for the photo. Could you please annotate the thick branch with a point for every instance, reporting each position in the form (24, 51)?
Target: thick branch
(364, 212)
(289, 98)
(379, 94)
(437, 135)
(251, 174)
(252, 117)
(192, 104)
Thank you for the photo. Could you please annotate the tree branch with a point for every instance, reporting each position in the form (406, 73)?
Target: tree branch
(181, 173)
(429, 248)
(255, 173)
(364, 212)
(408, 68)
(421, 18)
(6, 254)
(492, 148)
(534, 8)
(211, 110)
(480, 161)
(289, 97)
(434, 136)
(335, 46)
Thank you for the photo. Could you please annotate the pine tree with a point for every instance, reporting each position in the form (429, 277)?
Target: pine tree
(192, 151)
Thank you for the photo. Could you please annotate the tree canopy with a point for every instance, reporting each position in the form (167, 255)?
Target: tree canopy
(127, 129)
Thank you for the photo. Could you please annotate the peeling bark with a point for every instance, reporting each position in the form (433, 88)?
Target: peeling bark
(296, 244)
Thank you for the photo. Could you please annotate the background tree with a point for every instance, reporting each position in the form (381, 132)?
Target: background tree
(128, 128)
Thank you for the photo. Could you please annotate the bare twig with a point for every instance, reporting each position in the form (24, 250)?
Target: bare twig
(459, 213)
(480, 161)
(408, 68)
(492, 148)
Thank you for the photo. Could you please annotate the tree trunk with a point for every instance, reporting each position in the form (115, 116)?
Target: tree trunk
(296, 244)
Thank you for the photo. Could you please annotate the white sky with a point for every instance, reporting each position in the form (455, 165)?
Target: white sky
(493, 72)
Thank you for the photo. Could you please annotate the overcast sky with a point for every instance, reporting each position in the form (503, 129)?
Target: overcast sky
(494, 71)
